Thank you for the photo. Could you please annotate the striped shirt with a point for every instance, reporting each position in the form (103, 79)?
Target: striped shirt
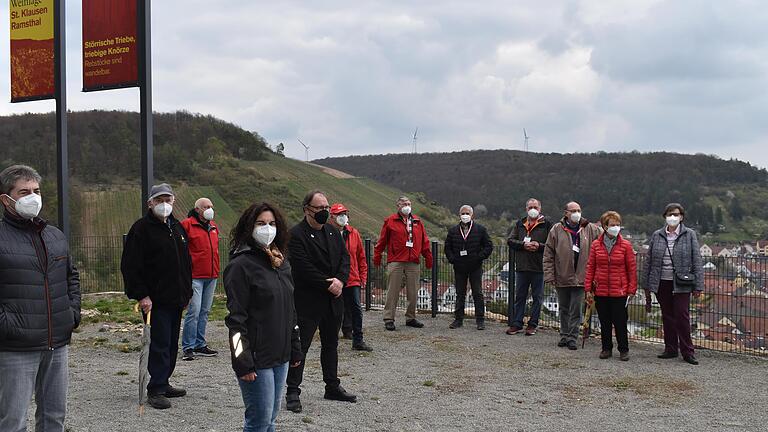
(667, 270)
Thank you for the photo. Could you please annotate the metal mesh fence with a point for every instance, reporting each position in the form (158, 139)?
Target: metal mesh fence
(731, 315)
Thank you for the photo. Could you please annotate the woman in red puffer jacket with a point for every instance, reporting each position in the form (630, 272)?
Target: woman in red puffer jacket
(610, 281)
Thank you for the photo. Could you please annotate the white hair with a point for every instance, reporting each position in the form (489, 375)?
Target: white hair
(466, 206)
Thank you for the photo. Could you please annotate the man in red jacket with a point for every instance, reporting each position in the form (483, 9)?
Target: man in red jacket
(358, 274)
(204, 250)
(405, 239)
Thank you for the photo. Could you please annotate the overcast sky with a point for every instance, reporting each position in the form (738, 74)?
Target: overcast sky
(358, 77)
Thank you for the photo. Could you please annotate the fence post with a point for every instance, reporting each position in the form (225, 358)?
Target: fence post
(369, 274)
(510, 285)
(435, 265)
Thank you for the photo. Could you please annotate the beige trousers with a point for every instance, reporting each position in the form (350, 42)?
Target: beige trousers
(397, 272)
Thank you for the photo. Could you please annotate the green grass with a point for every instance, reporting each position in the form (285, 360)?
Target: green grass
(121, 310)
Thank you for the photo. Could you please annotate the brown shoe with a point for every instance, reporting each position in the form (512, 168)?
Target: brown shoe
(513, 330)
(530, 331)
(624, 356)
(605, 354)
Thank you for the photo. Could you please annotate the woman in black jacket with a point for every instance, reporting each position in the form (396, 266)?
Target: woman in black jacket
(263, 335)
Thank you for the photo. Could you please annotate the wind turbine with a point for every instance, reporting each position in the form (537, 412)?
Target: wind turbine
(306, 149)
(415, 138)
(525, 135)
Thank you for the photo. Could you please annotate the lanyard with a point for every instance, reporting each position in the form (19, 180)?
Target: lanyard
(409, 228)
(535, 224)
(461, 230)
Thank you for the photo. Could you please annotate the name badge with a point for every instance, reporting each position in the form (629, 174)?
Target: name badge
(576, 249)
(463, 253)
(409, 244)
(527, 239)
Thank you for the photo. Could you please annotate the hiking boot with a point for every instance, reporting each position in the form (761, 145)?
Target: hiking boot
(530, 331)
(624, 356)
(481, 324)
(571, 345)
(362, 346)
(346, 335)
(605, 354)
(205, 352)
(456, 324)
(188, 355)
(293, 403)
(513, 330)
(174, 392)
(667, 355)
(339, 394)
(563, 342)
(158, 401)
(414, 323)
(389, 325)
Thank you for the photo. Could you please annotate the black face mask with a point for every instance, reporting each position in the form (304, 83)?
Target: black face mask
(322, 216)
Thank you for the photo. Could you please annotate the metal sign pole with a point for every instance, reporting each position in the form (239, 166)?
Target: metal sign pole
(145, 90)
(60, 82)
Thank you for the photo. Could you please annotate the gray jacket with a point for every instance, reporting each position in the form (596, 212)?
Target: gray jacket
(39, 287)
(686, 257)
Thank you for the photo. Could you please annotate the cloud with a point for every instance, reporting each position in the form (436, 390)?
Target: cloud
(358, 78)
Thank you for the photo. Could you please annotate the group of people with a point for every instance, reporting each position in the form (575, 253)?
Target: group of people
(593, 263)
(285, 284)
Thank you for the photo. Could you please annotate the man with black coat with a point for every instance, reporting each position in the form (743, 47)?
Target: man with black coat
(527, 239)
(39, 307)
(466, 247)
(320, 268)
(157, 271)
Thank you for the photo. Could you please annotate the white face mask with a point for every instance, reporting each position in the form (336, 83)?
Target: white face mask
(465, 218)
(28, 206)
(342, 220)
(208, 214)
(673, 221)
(406, 210)
(163, 210)
(533, 213)
(264, 234)
(576, 217)
(613, 231)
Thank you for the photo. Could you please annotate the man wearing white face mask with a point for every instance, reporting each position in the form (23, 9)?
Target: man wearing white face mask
(203, 243)
(467, 245)
(157, 272)
(39, 307)
(566, 254)
(352, 324)
(527, 239)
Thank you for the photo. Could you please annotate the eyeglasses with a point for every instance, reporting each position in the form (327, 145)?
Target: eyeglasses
(674, 214)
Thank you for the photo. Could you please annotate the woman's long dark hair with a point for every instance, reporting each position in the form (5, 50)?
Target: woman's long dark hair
(242, 234)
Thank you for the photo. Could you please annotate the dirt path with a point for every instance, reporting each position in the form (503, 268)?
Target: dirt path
(438, 380)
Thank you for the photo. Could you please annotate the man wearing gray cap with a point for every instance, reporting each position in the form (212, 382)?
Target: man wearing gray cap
(157, 272)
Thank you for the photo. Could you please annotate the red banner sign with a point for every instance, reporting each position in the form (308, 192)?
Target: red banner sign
(31, 50)
(110, 48)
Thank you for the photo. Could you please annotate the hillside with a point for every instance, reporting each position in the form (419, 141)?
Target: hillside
(727, 199)
(200, 156)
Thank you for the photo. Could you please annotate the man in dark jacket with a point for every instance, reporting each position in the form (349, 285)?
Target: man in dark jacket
(203, 241)
(527, 239)
(158, 273)
(466, 247)
(39, 307)
(320, 268)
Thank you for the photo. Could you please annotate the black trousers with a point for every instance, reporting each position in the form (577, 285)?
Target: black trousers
(613, 315)
(329, 323)
(165, 324)
(475, 278)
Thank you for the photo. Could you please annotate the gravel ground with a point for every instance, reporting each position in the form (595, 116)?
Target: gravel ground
(439, 380)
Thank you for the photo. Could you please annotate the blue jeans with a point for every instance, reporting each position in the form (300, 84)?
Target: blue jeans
(43, 373)
(353, 314)
(524, 280)
(197, 314)
(262, 398)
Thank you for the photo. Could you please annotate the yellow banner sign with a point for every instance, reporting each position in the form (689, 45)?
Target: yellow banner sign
(32, 53)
